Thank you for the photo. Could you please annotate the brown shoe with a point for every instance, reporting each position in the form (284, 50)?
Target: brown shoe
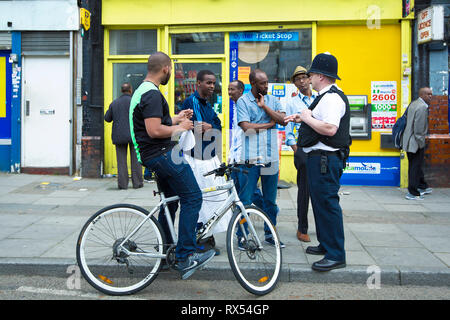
(303, 237)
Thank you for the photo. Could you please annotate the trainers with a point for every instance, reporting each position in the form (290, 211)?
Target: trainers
(272, 243)
(425, 191)
(193, 262)
(242, 244)
(149, 178)
(410, 196)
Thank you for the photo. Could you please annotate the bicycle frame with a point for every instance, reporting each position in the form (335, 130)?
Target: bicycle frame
(232, 200)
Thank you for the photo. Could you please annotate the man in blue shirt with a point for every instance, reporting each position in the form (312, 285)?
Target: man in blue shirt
(295, 105)
(257, 115)
(207, 152)
(208, 143)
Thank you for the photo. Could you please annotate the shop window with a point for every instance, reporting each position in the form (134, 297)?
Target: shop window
(133, 73)
(276, 52)
(186, 83)
(128, 42)
(198, 43)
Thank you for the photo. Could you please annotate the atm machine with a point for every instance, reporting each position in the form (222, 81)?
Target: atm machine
(360, 117)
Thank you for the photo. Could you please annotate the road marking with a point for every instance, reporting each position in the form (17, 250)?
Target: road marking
(73, 293)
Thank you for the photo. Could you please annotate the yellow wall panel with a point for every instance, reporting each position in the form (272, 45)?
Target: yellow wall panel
(157, 12)
(364, 55)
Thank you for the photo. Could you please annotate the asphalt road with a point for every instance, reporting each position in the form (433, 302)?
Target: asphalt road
(22, 287)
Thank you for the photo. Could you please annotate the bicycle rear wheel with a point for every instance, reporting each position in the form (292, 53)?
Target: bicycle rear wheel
(110, 270)
(256, 268)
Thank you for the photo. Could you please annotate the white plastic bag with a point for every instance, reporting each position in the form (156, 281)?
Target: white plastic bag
(211, 200)
(187, 140)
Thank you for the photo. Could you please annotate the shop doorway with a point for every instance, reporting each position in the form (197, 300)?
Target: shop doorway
(46, 114)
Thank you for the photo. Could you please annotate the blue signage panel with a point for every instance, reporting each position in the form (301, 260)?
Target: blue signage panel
(264, 36)
(372, 171)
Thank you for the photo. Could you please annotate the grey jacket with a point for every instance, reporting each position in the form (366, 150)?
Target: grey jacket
(118, 113)
(416, 126)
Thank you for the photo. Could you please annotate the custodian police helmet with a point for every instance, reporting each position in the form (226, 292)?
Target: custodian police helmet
(326, 64)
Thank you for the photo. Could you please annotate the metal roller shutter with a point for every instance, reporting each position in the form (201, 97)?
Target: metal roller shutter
(46, 43)
(5, 41)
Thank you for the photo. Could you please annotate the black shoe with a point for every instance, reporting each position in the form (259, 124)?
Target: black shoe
(315, 250)
(272, 243)
(207, 244)
(327, 265)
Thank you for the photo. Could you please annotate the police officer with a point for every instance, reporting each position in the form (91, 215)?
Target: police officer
(324, 136)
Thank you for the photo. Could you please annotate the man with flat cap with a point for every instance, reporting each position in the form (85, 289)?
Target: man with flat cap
(324, 136)
(295, 105)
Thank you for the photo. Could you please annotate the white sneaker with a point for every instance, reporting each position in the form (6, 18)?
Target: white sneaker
(425, 191)
(409, 196)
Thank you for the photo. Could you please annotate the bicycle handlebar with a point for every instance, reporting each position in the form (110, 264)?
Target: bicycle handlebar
(224, 169)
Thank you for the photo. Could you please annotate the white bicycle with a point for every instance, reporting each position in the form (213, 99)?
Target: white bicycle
(121, 248)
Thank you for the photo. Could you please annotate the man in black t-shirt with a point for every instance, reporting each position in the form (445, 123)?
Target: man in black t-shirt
(152, 130)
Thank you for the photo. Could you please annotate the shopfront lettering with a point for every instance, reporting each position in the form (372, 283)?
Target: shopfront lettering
(264, 36)
(425, 24)
(424, 34)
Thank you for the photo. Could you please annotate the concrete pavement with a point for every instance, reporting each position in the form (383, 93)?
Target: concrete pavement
(408, 242)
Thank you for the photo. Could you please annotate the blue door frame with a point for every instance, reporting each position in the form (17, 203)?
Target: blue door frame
(10, 127)
(5, 114)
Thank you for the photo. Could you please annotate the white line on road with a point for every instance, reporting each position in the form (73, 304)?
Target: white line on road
(69, 293)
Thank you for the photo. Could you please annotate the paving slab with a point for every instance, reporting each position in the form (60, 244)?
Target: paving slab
(410, 257)
(41, 217)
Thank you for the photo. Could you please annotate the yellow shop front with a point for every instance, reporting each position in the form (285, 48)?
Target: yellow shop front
(230, 38)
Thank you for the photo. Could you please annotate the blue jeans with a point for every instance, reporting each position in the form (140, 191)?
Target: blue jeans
(269, 183)
(178, 179)
(257, 198)
(324, 188)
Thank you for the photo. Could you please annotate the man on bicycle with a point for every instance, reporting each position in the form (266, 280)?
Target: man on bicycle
(152, 130)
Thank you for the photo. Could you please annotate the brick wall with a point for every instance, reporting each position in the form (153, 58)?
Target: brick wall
(437, 152)
(438, 115)
(91, 152)
(92, 99)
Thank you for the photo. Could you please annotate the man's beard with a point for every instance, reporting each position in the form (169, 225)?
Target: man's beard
(165, 80)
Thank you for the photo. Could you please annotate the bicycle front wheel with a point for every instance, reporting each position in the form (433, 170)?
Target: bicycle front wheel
(105, 265)
(257, 268)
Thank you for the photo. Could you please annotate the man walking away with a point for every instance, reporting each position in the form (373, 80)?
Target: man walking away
(121, 138)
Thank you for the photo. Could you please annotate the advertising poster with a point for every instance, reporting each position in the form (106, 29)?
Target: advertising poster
(384, 105)
(283, 91)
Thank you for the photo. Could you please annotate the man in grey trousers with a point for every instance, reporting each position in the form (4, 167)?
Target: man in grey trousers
(413, 142)
(121, 137)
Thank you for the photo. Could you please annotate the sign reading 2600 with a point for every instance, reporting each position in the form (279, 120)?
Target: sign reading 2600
(383, 97)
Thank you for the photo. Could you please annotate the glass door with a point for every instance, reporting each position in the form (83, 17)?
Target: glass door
(132, 73)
